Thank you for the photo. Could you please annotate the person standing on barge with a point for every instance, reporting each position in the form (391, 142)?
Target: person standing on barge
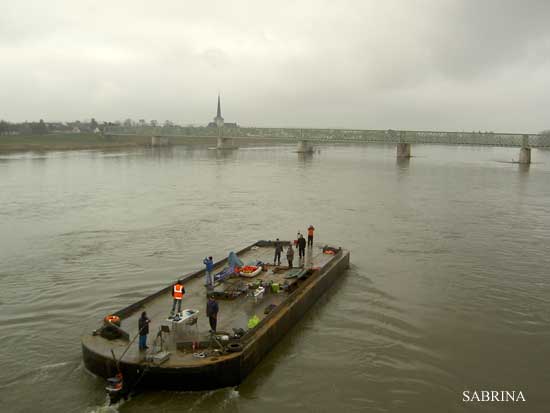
(209, 263)
(143, 326)
(278, 251)
(212, 309)
(301, 246)
(290, 255)
(310, 231)
(178, 291)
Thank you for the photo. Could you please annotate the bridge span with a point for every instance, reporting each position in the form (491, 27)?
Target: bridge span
(307, 137)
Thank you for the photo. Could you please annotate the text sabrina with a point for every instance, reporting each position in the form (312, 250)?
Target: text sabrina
(492, 396)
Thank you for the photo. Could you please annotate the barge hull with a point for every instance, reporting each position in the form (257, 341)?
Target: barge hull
(276, 328)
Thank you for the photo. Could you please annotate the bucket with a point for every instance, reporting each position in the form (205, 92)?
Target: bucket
(275, 288)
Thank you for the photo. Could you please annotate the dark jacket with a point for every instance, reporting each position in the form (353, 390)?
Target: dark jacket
(302, 242)
(212, 308)
(278, 247)
(143, 323)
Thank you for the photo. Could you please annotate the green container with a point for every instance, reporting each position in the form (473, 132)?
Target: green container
(275, 288)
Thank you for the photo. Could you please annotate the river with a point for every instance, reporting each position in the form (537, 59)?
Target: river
(448, 289)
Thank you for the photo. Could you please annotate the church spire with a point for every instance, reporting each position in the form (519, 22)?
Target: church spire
(218, 120)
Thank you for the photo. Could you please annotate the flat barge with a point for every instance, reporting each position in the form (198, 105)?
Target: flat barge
(187, 356)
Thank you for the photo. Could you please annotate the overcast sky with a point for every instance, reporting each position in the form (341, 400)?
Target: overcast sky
(451, 65)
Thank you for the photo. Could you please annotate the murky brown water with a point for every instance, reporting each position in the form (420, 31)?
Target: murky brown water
(448, 290)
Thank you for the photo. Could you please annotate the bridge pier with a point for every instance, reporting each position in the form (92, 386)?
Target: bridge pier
(525, 151)
(403, 150)
(525, 156)
(304, 147)
(157, 141)
(224, 143)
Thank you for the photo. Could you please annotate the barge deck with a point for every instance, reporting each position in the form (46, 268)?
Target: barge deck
(223, 359)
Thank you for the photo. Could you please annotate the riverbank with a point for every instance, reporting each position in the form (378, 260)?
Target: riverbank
(80, 141)
(15, 143)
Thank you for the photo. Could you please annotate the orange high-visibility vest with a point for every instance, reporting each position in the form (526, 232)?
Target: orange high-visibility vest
(310, 231)
(178, 291)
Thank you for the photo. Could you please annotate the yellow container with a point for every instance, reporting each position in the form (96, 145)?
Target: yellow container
(275, 288)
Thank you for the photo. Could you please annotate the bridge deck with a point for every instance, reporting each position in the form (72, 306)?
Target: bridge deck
(350, 136)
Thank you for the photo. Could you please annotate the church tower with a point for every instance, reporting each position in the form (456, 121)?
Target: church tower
(218, 120)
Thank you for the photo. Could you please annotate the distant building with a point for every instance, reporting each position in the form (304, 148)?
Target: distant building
(58, 127)
(218, 120)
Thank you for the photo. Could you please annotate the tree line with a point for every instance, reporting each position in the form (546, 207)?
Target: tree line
(42, 128)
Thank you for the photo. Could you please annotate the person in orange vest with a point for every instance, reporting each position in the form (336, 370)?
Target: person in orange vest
(310, 231)
(177, 292)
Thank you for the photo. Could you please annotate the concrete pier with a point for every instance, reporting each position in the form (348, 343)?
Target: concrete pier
(224, 143)
(403, 147)
(403, 150)
(304, 147)
(525, 156)
(157, 141)
(525, 151)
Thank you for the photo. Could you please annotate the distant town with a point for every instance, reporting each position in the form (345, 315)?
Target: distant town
(99, 127)
(86, 126)
(97, 132)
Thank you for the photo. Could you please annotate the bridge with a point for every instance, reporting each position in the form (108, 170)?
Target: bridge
(306, 138)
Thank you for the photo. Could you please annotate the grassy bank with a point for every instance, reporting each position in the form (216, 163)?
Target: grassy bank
(78, 141)
(68, 142)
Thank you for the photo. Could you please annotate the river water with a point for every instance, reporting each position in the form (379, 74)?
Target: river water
(448, 289)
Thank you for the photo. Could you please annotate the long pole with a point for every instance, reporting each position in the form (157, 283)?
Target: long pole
(126, 349)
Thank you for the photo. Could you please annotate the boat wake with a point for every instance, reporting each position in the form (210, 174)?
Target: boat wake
(225, 397)
(106, 407)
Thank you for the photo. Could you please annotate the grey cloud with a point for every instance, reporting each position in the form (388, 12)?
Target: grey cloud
(358, 64)
(486, 36)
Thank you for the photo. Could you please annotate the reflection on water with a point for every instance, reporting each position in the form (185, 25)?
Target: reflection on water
(524, 169)
(402, 165)
(224, 153)
(305, 157)
(447, 291)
